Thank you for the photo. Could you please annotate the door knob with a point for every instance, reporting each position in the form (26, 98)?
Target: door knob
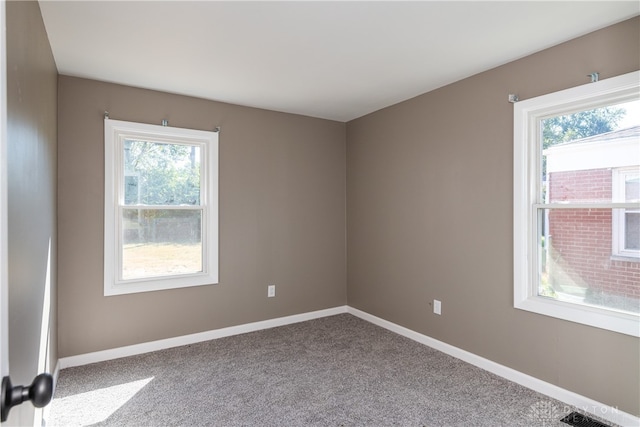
(39, 393)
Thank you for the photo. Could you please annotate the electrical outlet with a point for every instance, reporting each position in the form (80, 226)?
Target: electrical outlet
(271, 291)
(437, 307)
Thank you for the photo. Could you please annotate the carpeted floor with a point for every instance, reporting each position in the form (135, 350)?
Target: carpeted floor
(334, 371)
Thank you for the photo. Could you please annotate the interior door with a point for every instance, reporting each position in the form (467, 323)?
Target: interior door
(4, 319)
(30, 319)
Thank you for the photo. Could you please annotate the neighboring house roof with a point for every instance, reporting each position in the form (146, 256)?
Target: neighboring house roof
(619, 148)
(632, 132)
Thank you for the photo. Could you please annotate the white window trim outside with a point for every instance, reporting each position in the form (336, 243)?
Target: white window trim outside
(115, 132)
(618, 217)
(527, 198)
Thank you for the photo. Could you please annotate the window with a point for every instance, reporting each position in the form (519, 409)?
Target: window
(161, 207)
(576, 205)
(626, 222)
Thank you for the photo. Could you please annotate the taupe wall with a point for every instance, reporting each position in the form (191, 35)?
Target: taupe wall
(429, 202)
(282, 218)
(31, 169)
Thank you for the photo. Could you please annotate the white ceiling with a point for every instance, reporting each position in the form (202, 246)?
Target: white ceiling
(334, 60)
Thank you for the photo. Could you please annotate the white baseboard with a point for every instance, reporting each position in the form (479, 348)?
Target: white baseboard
(132, 350)
(586, 404)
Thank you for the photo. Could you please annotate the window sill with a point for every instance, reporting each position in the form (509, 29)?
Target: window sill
(624, 258)
(621, 322)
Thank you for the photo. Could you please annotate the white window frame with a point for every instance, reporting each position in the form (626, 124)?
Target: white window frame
(115, 132)
(528, 115)
(618, 226)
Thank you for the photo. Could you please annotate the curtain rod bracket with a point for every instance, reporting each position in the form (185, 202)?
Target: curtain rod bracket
(513, 98)
(164, 122)
(594, 77)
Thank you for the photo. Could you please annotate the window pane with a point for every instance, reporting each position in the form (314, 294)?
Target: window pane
(580, 149)
(632, 187)
(161, 174)
(632, 230)
(160, 242)
(575, 263)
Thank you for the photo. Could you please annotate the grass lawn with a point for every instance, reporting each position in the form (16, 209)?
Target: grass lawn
(161, 259)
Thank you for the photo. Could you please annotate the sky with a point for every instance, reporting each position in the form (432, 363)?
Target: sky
(633, 114)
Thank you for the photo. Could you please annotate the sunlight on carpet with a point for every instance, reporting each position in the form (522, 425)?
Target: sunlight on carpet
(94, 406)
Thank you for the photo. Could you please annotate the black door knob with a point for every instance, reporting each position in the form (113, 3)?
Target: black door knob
(39, 393)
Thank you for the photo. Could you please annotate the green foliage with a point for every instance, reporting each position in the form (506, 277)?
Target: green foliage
(161, 174)
(570, 127)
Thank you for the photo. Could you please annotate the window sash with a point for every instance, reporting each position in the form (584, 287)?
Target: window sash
(123, 173)
(122, 244)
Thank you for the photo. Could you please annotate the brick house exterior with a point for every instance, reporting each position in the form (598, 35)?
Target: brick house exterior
(586, 248)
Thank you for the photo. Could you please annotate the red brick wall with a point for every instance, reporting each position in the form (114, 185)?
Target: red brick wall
(576, 186)
(581, 239)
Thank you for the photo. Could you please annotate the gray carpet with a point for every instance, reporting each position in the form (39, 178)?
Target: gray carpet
(335, 371)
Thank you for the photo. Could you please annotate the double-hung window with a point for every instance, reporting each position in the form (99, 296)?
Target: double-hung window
(577, 204)
(626, 222)
(161, 207)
